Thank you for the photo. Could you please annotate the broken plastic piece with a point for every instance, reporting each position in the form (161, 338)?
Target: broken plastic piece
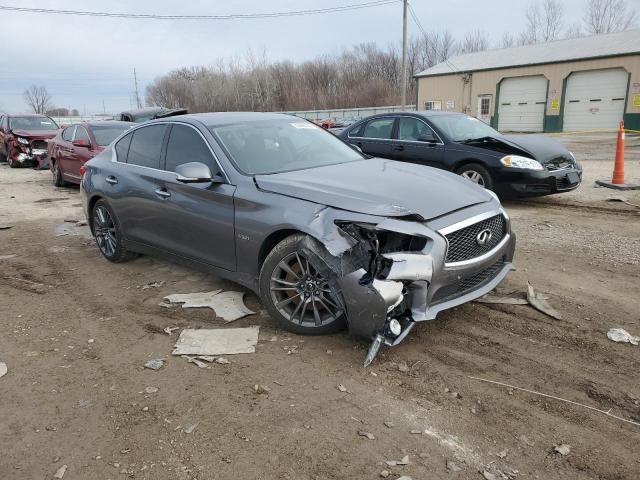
(410, 266)
(373, 350)
(228, 341)
(154, 364)
(3, 369)
(539, 302)
(227, 305)
(617, 335)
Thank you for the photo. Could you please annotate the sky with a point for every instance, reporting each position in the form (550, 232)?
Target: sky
(87, 61)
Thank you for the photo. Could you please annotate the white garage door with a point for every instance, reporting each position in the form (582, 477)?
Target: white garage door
(595, 99)
(522, 103)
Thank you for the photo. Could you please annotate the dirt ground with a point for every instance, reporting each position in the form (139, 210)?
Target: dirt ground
(77, 330)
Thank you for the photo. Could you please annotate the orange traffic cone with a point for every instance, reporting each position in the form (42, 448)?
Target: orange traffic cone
(618, 166)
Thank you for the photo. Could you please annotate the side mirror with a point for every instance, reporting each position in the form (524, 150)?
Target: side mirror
(81, 143)
(195, 172)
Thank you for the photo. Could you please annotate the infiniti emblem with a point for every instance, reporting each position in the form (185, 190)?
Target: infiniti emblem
(483, 237)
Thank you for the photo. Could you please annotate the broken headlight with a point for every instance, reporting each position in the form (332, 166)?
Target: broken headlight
(23, 141)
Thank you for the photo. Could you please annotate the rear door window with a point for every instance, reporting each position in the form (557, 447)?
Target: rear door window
(122, 148)
(186, 145)
(146, 146)
(81, 134)
(379, 128)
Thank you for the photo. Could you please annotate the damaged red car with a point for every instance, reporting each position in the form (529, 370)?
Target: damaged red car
(23, 139)
(77, 144)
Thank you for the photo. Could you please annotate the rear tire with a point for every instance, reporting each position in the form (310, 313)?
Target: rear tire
(3, 156)
(58, 180)
(106, 230)
(296, 295)
(477, 174)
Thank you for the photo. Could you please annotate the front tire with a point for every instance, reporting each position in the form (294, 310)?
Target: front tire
(3, 156)
(476, 173)
(296, 294)
(107, 233)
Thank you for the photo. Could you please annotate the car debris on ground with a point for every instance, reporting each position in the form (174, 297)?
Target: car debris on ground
(562, 449)
(227, 341)
(60, 472)
(535, 299)
(227, 305)
(3, 369)
(622, 336)
(170, 330)
(395, 463)
(146, 286)
(154, 363)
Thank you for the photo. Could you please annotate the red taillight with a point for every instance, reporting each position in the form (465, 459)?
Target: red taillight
(82, 170)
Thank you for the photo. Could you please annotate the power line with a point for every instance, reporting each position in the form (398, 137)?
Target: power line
(235, 16)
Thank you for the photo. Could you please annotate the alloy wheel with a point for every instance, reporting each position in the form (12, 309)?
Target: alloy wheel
(473, 176)
(301, 294)
(104, 230)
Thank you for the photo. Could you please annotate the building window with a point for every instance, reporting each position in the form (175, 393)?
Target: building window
(485, 103)
(433, 105)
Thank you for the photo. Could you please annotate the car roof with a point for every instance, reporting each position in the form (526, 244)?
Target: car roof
(420, 113)
(143, 111)
(217, 119)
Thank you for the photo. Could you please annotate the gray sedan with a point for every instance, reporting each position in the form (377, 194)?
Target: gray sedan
(326, 236)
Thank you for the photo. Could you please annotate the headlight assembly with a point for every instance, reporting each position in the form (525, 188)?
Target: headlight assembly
(516, 161)
(23, 141)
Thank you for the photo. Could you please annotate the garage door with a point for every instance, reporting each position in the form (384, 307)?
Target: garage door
(595, 99)
(522, 103)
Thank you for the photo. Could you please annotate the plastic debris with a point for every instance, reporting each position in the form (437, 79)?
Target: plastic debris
(154, 363)
(563, 449)
(228, 341)
(170, 330)
(539, 302)
(342, 388)
(228, 305)
(395, 463)
(60, 472)
(222, 361)
(505, 300)
(261, 389)
(3, 369)
(152, 285)
(151, 389)
(622, 336)
(367, 434)
(190, 428)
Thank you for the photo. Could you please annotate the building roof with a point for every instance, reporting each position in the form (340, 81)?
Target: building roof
(606, 45)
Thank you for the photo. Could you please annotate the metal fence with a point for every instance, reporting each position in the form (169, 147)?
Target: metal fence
(81, 118)
(347, 113)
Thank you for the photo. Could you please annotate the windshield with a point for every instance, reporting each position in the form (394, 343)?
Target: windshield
(276, 146)
(462, 127)
(105, 134)
(32, 123)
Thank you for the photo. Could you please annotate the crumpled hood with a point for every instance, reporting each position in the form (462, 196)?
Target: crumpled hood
(541, 148)
(378, 187)
(35, 134)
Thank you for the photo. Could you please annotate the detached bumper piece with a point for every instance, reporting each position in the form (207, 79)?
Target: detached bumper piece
(396, 273)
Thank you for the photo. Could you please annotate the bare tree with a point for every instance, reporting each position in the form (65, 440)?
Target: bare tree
(474, 41)
(544, 22)
(574, 31)
(607, 16)
(507, 40)
(38, 98)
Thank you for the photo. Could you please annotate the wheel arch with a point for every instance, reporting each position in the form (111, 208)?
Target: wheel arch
(466, 161)
(272, 240)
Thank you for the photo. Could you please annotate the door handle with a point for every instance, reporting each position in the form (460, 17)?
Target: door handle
(111, 179)
(400, 148)
(162, 192)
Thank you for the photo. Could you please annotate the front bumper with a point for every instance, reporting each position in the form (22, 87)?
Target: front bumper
(522, 183)
(28, 157)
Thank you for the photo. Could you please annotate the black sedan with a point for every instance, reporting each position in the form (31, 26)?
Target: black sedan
(510, 165)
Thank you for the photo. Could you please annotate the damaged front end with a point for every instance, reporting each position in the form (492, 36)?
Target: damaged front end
(28, 152)
(401, 270)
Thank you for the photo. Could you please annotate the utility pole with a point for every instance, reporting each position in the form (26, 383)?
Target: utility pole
(104, 109)
(403, 93)
(135, 79)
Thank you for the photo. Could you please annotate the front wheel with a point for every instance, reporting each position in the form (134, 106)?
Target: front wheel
(107, 234)
(300, 293)
(476, 173)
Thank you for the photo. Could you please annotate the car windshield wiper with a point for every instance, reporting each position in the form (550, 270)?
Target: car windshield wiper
(479, 140)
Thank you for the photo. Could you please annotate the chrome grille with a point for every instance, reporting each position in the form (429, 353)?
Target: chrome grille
(463, 244)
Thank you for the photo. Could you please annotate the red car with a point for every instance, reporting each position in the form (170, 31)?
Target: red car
(23, 139)
(77, 144)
